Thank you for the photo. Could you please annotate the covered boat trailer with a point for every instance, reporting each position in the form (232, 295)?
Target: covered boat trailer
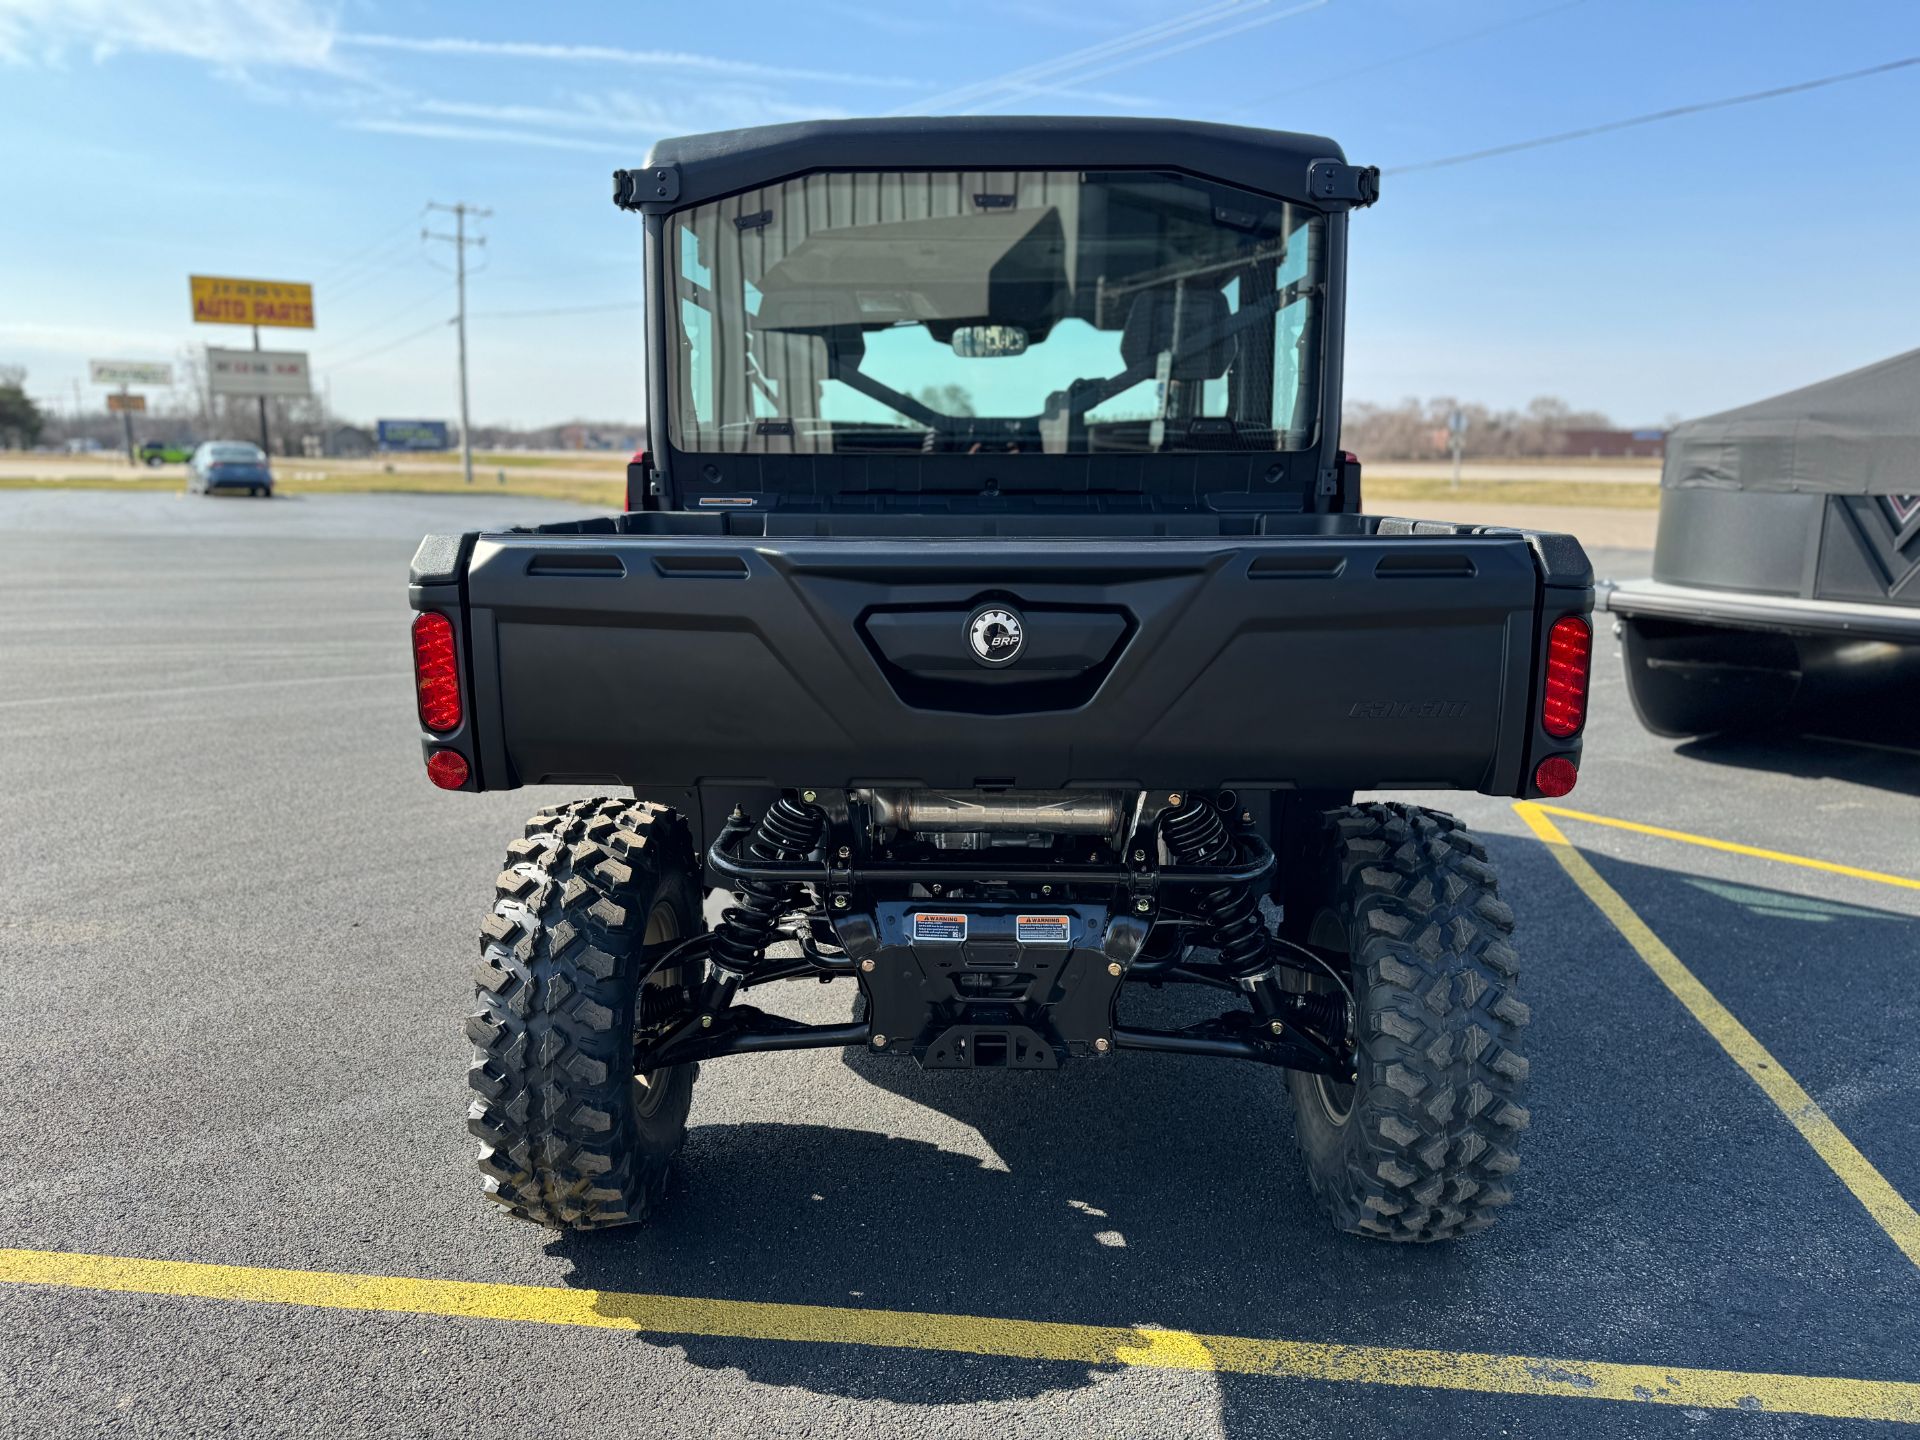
(1786, 568)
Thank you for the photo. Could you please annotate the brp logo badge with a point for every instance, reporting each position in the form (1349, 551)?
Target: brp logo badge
(996, 634)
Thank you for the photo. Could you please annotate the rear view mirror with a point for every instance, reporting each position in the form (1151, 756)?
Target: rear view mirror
(981, 342)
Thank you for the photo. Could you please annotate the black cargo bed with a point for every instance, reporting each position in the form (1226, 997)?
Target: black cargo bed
(1334, 651)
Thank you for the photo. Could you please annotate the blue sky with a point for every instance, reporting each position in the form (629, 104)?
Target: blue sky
(1671, 269)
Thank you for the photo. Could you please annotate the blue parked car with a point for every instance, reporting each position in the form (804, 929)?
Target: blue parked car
(229, 465)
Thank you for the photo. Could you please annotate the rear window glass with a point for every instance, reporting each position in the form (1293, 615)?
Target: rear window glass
(981, 313)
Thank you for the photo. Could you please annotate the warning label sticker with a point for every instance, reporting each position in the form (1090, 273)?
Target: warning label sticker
(1043, 929)
(939, 927)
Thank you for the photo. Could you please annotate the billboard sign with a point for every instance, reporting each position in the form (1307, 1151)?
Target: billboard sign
(130, 372)
(220, 300)
(258, 372)
(133, 404)
(414, 435)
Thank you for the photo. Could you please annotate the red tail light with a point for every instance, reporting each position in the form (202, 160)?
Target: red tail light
(447, 769)
(436, 673)
(1556, 775)
(1563, 710)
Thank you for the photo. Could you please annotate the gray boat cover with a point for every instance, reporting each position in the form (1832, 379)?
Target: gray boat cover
(1856, 434)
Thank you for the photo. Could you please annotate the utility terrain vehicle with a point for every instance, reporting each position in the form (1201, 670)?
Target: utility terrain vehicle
(995, 620)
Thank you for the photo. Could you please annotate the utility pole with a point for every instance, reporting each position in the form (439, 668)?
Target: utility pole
(266, 441)
(460, 242)
(126, 422)
(1457, 437)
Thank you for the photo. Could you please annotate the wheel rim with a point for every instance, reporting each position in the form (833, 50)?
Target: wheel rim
(1335, 1099)
(1335, 1096)
(1327, 933)
(663, 927)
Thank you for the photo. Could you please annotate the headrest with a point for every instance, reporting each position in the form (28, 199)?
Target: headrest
(1204, 351)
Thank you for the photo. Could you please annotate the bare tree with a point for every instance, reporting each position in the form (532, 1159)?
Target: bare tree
(1417, 430)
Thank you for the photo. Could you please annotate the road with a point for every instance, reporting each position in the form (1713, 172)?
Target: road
(1641, 471)
(607, 465)
(236, 954)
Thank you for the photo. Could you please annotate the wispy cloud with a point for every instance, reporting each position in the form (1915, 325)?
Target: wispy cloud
(621, 115)
(230, 33)
(625, 113)
(663, 60)
(1146, 45)
(237, 35)
(645, 117)
(1090, 97)
(1160, 50)
(1062, 16)
(886, 21)
(84, 339)
(491, 135)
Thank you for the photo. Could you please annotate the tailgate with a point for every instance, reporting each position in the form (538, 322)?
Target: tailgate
(1387, 661)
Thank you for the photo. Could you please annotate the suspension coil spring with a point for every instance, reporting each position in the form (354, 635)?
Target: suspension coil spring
(789, 831)
(1196, 835)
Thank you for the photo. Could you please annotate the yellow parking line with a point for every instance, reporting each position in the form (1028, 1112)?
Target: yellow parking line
(1885, 1204)
(1805, 862)
(1138, 1346)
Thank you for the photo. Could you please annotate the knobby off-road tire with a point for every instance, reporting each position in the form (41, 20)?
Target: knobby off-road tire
(570, 1136)
(1423, 1145)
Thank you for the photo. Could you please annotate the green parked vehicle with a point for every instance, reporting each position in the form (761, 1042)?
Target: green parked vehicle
(158, 452)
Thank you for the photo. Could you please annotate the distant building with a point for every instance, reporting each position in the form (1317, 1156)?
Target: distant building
(596, 437)
(349, 442)
(1615, 444)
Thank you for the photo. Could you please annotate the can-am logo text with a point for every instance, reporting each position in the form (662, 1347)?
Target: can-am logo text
(1407, 710)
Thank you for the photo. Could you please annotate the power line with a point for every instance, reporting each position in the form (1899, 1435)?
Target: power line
(390, 345)
(1657, 115)
(333, 273)
(629, 264)
(391, 260)
(384, 323)
(1348, 74)
(1080, 76)
(1023, 78)
(557, 310)
(1086, 54)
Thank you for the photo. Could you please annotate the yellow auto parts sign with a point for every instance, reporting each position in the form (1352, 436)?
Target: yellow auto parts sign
(219, 300)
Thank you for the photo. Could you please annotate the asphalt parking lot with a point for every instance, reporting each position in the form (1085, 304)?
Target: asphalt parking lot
(235, 955)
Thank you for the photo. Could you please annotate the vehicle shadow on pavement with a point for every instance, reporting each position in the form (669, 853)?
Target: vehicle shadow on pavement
(1162, 1191)
(1064, 1184)
(1108, 1194)
(1873, 754)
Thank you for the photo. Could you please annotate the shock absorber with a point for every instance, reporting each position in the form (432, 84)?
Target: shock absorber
(789, 831)
(1195, 835)
(1322, 1011)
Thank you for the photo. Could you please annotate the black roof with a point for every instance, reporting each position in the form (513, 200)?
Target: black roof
(1856, 434)
(693, 168)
